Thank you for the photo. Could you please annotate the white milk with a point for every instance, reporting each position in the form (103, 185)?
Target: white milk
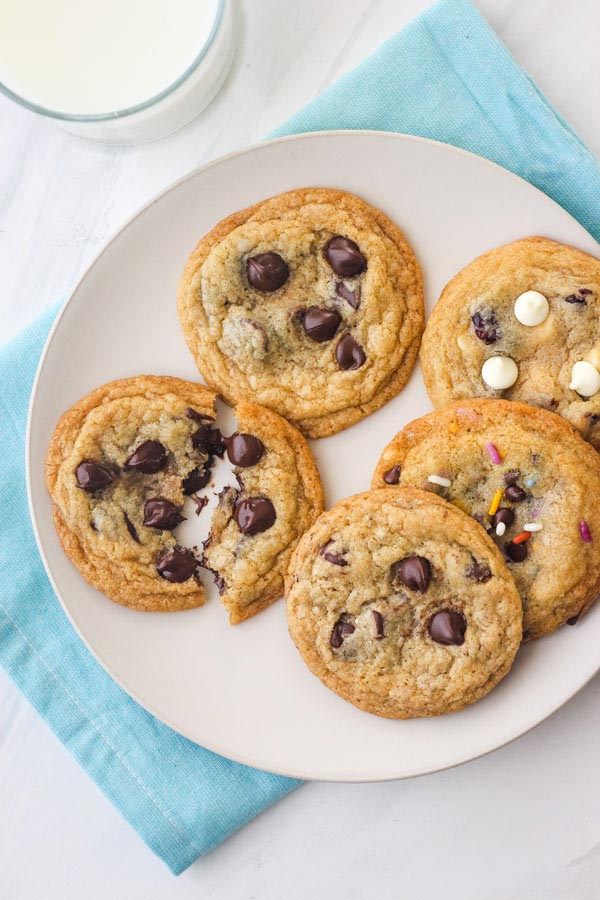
(99, 56)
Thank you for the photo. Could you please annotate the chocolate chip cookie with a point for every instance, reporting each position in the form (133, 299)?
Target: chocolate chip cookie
(255, 527)
(309, 303)
(530, 480)
(120, 465)
(521, 323)
(384, 609)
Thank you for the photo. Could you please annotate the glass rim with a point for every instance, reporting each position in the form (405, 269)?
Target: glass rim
(130, 110)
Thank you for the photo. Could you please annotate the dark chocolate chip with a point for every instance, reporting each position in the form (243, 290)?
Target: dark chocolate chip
(350, 296)
(91, 476)
(448, 627)
(198, 417)
(344, 257)
(378, 622)
(511, 477)
(573, 620)
(340, 632)
(504, 515)
(576, 298)
(585, 291)
(177, 565)
(516, 552)
(217, 579)
(131, 527)
(200, 503)
(244, 449)
(392, 476)
(336, 559)
(254, 514)
(196, 480)
(349, 354)
(161, 513)
(515, 493)
(478, 571)
(149, 458)
(320, 324)
(267, 272)
(208, 440)
(486, 327)
(414, 572)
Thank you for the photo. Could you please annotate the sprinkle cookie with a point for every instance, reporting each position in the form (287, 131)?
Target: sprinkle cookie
(383, 607)
(530, 480)
(521, 323)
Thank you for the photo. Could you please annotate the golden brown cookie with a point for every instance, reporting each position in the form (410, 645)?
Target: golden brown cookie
(309, 303)
(119, 467)
(528, 477)
(384, 607)
(522, 323)
(255, 528)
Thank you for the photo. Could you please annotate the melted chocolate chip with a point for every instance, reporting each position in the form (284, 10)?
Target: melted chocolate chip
(131, 527)
(414, 572)
(254, 514)
(177, 565)
(349, 354)
(344, 257)
(91, 476)
(573, 620)
(378, 622)
(447, 627)
(200, 503)
(579, 297)
(217, 579)
(149, 458)
(504, 515)
(486, 327)
(511, 477)
(516, 552)
(196, 480)
(336, 559)
(208, 440)
(340, 632)
(160, 513)
(198, 417)
(392, 476)
(350, 296)
(267, 272)
(478, 571)
(320, 324)
(515, 493)
(244, 449)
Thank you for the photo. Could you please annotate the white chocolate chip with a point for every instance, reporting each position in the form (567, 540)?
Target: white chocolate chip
(585, 379)
(499, 372)
(439, 479)
(500, 529)
(531, 308)
(532, 526)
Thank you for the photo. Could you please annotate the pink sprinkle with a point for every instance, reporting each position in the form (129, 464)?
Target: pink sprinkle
(584, 529)
(535, 513)
(494, 454)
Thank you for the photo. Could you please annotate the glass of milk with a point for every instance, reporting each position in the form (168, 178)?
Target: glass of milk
(118, 71)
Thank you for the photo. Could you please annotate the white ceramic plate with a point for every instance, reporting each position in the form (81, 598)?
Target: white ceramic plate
(244, 692)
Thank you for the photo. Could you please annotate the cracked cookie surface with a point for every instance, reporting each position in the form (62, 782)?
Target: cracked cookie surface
(384, 607)
(475, 319)
(548, 480)
(309, 303)
(118, 468)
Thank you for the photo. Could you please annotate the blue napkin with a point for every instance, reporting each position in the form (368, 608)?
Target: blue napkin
(445, 76)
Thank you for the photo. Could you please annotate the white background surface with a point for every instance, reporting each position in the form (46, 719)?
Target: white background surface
(522, 823)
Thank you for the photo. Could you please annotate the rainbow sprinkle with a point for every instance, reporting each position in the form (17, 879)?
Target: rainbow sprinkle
(532, 526)
(521, 538)
(495, 503)
(494, 453)
(584, 530)
(439, 479)
(500, 529)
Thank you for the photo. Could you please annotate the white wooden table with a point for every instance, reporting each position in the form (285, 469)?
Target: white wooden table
(523, 823)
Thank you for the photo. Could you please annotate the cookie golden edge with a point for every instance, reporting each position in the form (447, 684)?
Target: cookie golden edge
(480, 542)
(331, 423)
(436, 365)
(447, 421)
(147, 594)
(311, 503)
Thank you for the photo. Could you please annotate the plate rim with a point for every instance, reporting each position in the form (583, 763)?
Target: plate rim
(121, 682)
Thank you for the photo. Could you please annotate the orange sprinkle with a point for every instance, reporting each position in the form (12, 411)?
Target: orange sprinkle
(520, 538)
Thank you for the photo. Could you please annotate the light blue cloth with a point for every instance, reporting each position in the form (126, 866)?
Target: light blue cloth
(445, 76)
